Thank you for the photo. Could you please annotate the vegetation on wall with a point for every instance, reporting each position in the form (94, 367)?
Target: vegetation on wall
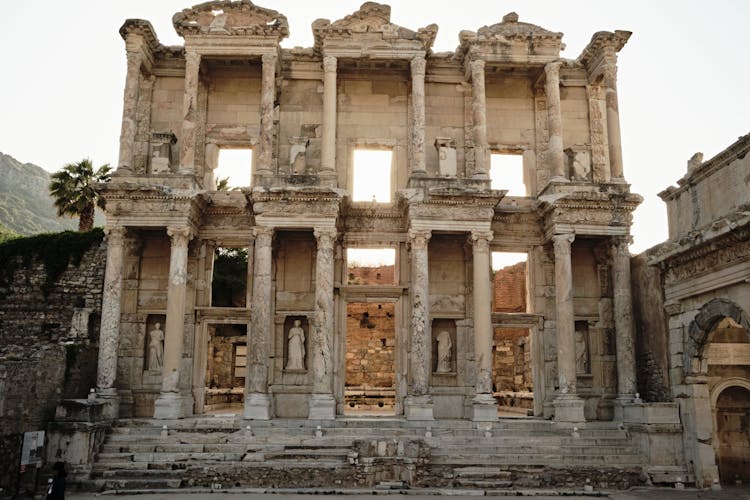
(54, 250)
(229, 284)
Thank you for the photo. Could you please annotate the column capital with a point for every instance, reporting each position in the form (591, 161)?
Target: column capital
(562, 241)
(477, 65)
(263, 234)
(325, 236)
(418, 65)
(553, 69)
(621, 244)
(192, 57)
(481, 239)
(115, 234)
(268, 59)
(180, 235)
(329, 64)
(418, 238)
(609, 73)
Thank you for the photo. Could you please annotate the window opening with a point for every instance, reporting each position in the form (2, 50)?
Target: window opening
(371, 174)
(229, 283)
(506, 172)
(371, 266)
(234, 168)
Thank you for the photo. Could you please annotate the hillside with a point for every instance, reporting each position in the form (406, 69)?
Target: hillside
(25, 204)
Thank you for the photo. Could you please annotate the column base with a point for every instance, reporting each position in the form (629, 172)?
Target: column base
(419, 408)
(484, 408)
(111, 400)
(621, 402)
(257, 406)
(568, 408)
(322, 407)
(169, 405)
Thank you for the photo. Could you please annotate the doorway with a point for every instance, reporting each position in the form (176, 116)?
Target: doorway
(733, 434)
(225, 368)
(370, 359)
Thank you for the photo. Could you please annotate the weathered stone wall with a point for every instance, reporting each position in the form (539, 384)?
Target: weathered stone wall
(651, 330)
(41, 359)
(370, 337)
(509, 289)
(511, 366)
(377, 275)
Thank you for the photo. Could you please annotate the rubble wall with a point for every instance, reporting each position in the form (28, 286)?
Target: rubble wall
(42, 358)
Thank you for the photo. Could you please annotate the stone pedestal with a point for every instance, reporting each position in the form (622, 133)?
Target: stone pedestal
(568, 408)
(111, 403)
(484, 408)
(257, 407)
(170, 405)
(322, 407)
(419, 408)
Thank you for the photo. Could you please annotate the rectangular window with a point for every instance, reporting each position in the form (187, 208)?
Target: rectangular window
(234, 169)
(506, 172)
(509, 282)
(229, 282)
(370, 266)
(372, 175)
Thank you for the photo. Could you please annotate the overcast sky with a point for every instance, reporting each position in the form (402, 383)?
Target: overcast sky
(683, 77)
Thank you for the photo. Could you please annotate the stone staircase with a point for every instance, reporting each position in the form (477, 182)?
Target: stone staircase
(223, 452)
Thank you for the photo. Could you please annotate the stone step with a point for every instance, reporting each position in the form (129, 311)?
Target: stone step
(141, 483)
(536, 459)
(482, 472)
(491, 449)
(485, 484)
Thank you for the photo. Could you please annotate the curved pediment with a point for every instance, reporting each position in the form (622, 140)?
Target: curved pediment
(224, 17)
(371, 27)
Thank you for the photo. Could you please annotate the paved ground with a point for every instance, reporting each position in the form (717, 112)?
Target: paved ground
(633, 494)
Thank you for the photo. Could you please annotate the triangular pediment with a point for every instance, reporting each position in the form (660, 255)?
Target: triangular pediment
(224, 17)
(372, 21)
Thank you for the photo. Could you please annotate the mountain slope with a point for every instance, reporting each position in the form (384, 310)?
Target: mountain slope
(25, 204)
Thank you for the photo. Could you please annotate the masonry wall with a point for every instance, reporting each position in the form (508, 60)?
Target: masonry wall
(41, 360)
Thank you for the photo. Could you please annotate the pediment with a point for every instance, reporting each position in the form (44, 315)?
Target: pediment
(372, 22)
(224, 17)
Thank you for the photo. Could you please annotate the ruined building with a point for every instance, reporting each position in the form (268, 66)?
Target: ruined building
(250, 303)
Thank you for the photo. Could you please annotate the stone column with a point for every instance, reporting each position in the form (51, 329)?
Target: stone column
(257, 401)
(267, 94)
(568, 406)
(479, 112)
(613, 122)
(484, 405)
(130, 103)
(322, 402)
(598, 134)
(328, 153)
(189, 113)
(555, 155)
(418, 404)
(624, 328)
(109, 336)
(170, 402)
(418, 65)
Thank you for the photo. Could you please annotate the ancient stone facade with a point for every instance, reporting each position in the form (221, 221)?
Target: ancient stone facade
(698, 330)
(368, 84)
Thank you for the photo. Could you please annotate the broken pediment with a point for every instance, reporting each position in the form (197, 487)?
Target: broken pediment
(224, 17)
(370, 29)
(511, 41)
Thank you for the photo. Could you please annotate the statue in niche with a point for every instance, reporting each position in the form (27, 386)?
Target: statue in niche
(444, 350)
(156, 348)
(296, 347)
(582, 355)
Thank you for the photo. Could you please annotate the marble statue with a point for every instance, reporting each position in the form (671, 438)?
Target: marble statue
(156, 348)
(445, 345)
(296, 347)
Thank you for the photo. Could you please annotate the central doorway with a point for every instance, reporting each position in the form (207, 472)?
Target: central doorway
(370, 359)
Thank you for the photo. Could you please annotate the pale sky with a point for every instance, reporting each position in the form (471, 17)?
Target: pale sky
(683, 76)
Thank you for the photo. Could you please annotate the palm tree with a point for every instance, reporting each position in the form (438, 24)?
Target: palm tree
(74, 193)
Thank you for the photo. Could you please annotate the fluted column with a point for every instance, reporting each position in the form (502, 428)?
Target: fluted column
(129, 108)
(613, 122)
(555, 156)
(568, 406)
(624, 328)
(189, 113)
(484, 405)
(328, 148)
(257, 401)
(170, 403)
(267, 94)
(418, 65)
(109, 336)
(322, 402)
(418, 404)
(479, 113)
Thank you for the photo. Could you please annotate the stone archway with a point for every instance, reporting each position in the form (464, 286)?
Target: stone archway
(731, 404)
(703, 324)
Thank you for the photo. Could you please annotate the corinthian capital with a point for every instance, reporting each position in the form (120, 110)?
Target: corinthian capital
(418, 238)
(329, 64)
(552, 70)
(268, 59)
(562, 243)
(477, 68)
(180, 235)
(481, 239)
(325, 236)
(418, 65)
(263, 235)
(115, 235)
